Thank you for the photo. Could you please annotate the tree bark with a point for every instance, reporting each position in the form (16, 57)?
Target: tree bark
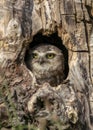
(71, 105)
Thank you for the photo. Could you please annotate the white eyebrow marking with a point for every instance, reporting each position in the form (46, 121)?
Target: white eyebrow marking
(57, 53)
(43, 53)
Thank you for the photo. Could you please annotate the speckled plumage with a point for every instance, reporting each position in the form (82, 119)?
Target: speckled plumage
(47, 64)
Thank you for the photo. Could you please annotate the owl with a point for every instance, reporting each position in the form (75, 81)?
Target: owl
(46, 62)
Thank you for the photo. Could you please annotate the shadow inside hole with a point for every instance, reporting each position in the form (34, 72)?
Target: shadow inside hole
(53, 40)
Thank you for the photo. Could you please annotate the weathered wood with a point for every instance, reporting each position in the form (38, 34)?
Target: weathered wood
(20, 21)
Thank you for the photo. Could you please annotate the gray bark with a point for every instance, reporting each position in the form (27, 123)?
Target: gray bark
(20, 21)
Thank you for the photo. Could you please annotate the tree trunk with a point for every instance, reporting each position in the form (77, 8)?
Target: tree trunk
(21, 99)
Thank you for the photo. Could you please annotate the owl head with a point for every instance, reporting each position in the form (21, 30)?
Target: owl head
(46, 62)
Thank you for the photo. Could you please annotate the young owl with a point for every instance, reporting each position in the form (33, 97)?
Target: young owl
(46, 62)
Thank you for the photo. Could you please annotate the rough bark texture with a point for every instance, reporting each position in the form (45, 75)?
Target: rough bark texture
(22, 101)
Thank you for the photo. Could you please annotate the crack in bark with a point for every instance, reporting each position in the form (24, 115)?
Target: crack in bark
(87, 40)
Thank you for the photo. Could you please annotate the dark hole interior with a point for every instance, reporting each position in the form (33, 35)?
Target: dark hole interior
(52, 39)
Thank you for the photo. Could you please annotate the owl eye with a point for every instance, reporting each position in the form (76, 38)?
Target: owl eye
(34, 55)
(50, 56)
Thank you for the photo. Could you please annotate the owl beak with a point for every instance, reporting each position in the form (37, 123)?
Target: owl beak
(41, 60)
